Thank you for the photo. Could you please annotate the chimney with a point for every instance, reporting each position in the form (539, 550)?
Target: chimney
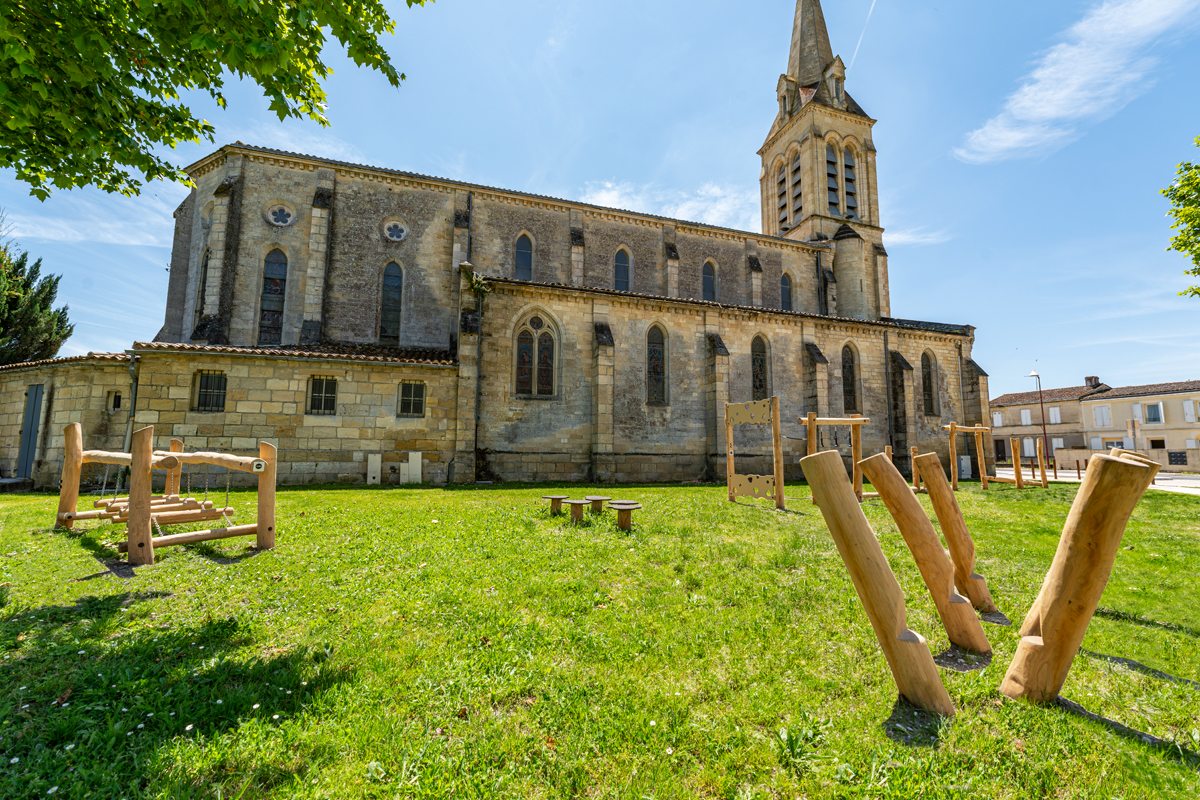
(1091, 381)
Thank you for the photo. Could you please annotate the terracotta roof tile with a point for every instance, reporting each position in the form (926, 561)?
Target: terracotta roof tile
(357, 352)
(1179, 387)
(1066, 393)
(54, 362)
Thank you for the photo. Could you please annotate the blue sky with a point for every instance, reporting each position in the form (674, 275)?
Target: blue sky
(1021, 150)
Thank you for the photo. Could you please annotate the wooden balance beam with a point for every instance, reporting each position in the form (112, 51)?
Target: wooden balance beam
(855, 423)
(979, 430)
(192, 537)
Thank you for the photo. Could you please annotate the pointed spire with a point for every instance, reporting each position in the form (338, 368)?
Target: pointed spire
(810, 53)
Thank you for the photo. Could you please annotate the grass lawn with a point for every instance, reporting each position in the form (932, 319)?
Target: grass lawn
(448, 643)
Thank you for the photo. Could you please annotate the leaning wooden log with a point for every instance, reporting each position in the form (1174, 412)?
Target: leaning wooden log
(958, 538)
(191, 537)
(236, 463)
(907, 654)
(158, 461)
(962, 626)
(1041, 460)
(1056, 624)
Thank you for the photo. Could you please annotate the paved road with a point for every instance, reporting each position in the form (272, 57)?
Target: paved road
(1166, 481)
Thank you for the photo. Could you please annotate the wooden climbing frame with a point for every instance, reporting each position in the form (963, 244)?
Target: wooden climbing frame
(759, 412)
(979, 430)
(855, 421)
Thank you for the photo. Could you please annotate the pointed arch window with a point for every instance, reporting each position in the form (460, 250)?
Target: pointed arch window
(393, 291)
(621, 271)
(785, 292)
(831, 181)
(535, 373)
(797, 190)
(710, 282)
(656, 367)
(929, 384)
(851, 191)
(781, 192)
(524, 258)
(849, 381)
(759, 369)
(203, 286)
(270, 320)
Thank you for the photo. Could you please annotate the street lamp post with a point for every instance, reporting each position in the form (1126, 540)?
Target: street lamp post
(1045, 438)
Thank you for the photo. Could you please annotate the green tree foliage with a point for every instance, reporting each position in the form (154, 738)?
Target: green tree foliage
(89, 88)
(30, 327)
(1184, 195)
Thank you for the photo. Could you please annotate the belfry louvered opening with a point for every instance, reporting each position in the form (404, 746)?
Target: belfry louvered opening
(851, 191)
(781, 194)
(831, 181)
(797, 191)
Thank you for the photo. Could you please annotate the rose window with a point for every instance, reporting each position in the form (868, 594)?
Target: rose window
(280, 215)
(396, 232)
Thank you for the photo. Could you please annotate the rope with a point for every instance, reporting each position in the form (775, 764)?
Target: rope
(104, 486)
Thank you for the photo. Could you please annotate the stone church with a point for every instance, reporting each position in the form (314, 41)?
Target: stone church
(379, 325)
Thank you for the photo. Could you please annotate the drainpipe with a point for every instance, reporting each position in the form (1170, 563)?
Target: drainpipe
(887, 390)
(133, 383)
(479, 317)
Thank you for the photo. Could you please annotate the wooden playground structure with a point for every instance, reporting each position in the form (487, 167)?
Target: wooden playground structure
(1018, 479)
(141, 510)
(759, 412)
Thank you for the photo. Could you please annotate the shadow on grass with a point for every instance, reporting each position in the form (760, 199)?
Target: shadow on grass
(88, 701)
(1138, 666)
(912, 726)
(1168, 748)
(956, 659)
(1145, 622)
(996, 618)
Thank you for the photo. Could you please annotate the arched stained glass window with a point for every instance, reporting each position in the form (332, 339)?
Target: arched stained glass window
(389, 320)
(545, 364)
(524, 259)
(849, 381)
(270, 320)
(622, 271)
(785, 293)
(760, 383)
(710, 282)
(525, 363)
(851, 191)
(831, 181)
(928, 384)
(656, 367)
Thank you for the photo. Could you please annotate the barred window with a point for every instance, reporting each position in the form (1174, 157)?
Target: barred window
(270, 322)
(524, 259)
(412, 399)
(759, 369)
(389, 321)
(322, 396)
(622, 271)
(656, 367)
(209, 391)
(785, 293)
(849, 381)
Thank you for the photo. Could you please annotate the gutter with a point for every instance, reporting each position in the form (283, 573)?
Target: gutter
(133, 388)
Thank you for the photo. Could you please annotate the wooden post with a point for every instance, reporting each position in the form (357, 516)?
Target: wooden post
(1078, 474)
(856, 456)
(962, 626)
(812, 433)
(983, 478)
(954, 456)
(912, 460)
(958, 538)
(730, 464)
(777, 441)
(888, 451)
(1041, 457)
(907, 653)
(141, 546)
(174, 475)
(1015, 443)
(1055, 626)
(68, 491)
(265, 539)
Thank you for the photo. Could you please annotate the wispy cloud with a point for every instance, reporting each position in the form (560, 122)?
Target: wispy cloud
(295, 137)
(858, 46)
(712, 204)
(916, 236)
(1102, 64)
(89, 215)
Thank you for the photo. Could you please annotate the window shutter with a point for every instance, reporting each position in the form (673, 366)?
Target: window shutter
(1189, 411)
(1107, 416)
(1057, 444)
(1055, 416)
(1137, 411)
(1162, 413)
(1097, 444)
(1026, 418)
(1190, 444)
(1030, 448)
(997, 420)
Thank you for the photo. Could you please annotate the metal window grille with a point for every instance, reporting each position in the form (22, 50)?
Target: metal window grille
(322, 396)
(412, 399)
(656, 367)
(210, 391)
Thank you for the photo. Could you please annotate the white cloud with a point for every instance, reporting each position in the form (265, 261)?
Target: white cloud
(90, 215)
(712, 204)
(295, 137)
(915, 236)
(1102, 64)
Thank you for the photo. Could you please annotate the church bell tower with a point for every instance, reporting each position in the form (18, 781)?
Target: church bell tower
(818, 170)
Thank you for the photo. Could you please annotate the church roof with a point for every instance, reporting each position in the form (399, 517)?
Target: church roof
(887, 322)
(333, 352)
(811, 52)
(54, 362)
(418, 176)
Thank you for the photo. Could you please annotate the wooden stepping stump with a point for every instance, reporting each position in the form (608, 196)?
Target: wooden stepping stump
(625, 513)
(577, 510)
(597, 502)
(556, 501)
